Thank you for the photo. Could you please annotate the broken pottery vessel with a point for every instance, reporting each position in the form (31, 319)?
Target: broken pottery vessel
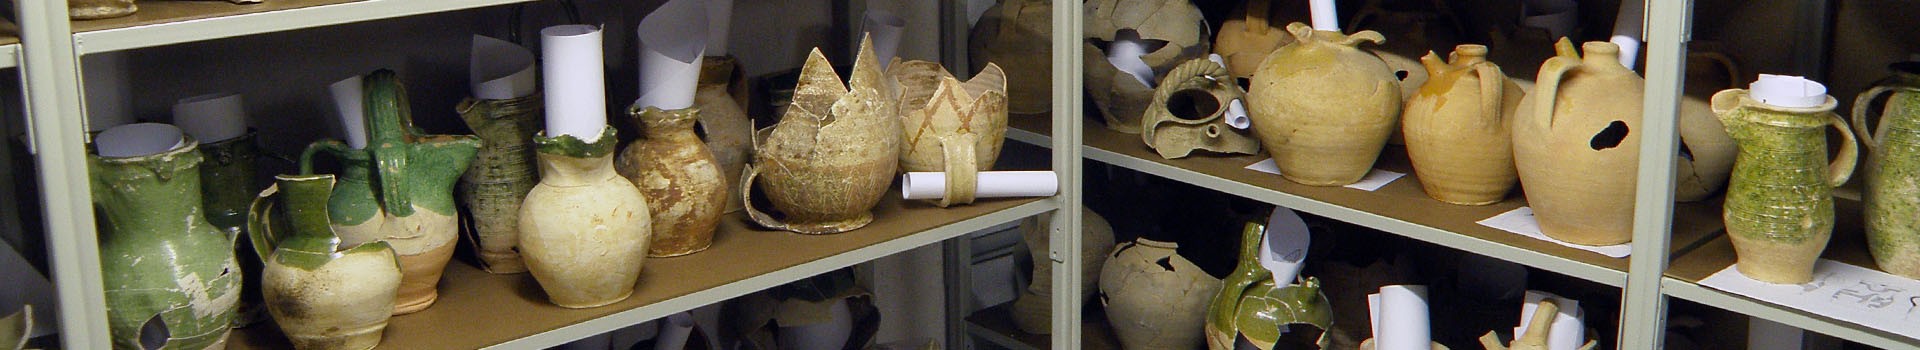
(1253, 306)
(1033, 309)
(1172, 32)
(830, 159)
(1189, 112)
(950, 126)
(165, 268)
(1576, 146)
(1017, 35)
(1249, 34)
(1155, 298)
(500, 176)
(321, 293)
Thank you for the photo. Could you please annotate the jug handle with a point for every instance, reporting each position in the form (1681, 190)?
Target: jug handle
(1549, 85)
(1009, 12)
(390, 139)
(962, 168)
(1842, 167)
(1726, 63)
(747, 176)
(1493, 85)
(1256, 17)
(330, 146)
(260, 224)
(1862, 106)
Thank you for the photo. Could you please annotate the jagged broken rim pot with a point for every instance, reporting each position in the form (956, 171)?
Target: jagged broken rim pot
(322, 294)
(830, 159)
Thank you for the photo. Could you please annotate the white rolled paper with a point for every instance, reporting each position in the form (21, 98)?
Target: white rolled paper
(1401, 319)
(884, 29)
(1788, 91)
(719, 20)
(138, 139)
(988, 184)
(1324, 15)
(1284, 250)
(349, 103)
(674, 331)
(576, 97)
(1626, 31)
(1124, 53)
(108, 92)
(212, 117)
(1568, 330)
(1237, 115)
(672, 41)
(500, 70)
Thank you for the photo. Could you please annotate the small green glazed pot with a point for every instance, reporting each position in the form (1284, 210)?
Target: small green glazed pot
(1779, 209)
(1892, 192)
(500, 176)
(307, 265)
(165, 268)
(227, 188)
(1252, 305)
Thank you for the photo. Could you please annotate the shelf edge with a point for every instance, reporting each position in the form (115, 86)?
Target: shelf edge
(170, 33)
(1676, 288)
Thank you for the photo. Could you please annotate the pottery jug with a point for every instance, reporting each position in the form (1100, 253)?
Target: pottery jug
(1189, 112)
(1174, 32)
(949, 126)
(412, 207)
(1576, 147)
(1462, 151)
(1539, 327)
(322, 294)
(1891, 199)
(686, 191)
(98, 9)
(724, 124)
(1323, 108)
(160, 269)
(1033, 309)
(1017, 35)
(1249, 34)
(830, 159)
(1155, 298)
(500, 176)
(226, 188)
(1707, 155)
(1779, 209)
(583, 205)
(1252, 305)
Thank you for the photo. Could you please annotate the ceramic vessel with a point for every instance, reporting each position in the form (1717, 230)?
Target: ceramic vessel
(1252, 305)
(685, 190)
(159, 269)
(322, 294)
(500, 176)
(1155, 298)
(948, 125)
(1033, 309)
(412, 207)
(1251, 32)
(724, 123)
(1537, 332)
(584, 230)
(1779, 209)
(1017, 35)
(226, 188)
(1576, 147)
(1323, 108)
(98, 9)
(828, 161)
(1175, 33)
(1462, 151)
(1189, 112)
(1891, 194)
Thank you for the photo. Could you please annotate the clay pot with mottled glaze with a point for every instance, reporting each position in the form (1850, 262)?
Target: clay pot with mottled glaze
(1779, 208)
(1575, 147)
(322, 293)
(828, 161)
(724, 123)
(1892, 187)
(1017, 35)
(1033, 309)
(1155, 299)
(161, 262)
(685, 190)
(1456, 127)
(1252, 305)
(1173, 32)
(584, 230)
(500, 176)
(1323, 108)
(1189, 112)
(226, 188)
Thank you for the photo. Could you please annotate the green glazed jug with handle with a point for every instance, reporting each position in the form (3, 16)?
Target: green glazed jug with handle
(170, 282)
(1253, 306)
(1891, 194)
(323, 294)
(1779, 206)
(412, 206)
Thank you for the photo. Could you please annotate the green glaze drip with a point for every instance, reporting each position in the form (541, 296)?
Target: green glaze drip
(226, 179)
(1251, 304)
(158, 254)
(301, 237)
(401, 168)
(1892, 195)
(570, 146)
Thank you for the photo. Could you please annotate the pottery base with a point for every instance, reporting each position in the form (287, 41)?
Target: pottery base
(504, 264)
(420, 279)
(1320, 182)
(1033, 313)
(361, 339)
(831, 227)
(701, 248)
(1901, 264)
(1464, 198)
(587, 304)
(1772, 262)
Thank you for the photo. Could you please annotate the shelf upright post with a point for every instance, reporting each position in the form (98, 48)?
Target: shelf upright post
(1643, 323)
(58, 128)
(1064, 249)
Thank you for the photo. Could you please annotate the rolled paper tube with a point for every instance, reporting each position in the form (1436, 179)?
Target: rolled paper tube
(1788, 91)
(500, 70)
(1237, 115)
(108, 104)
(1284, 248)
(1324, 15)
(990, 184)
(1627, 29)
(212, 117)
(1404, 321)
(884, 28)
(576, 96)
(1124, 54)
(672, 41)
(349, 101)
(1569, 330)
(138, 139)
(674, 332)
(719, 18)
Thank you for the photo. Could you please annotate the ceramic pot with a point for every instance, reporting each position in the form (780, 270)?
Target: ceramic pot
(157, 267)
(1017, 35)
(1463, 152)
(1249, 34)
(1189, 113)
(724, 124)
(1252, 305)
(828, 161)
(950, 126)
(412, 207)
(1323, 107)
(322, 294)
(582, 205)
(98, 9)
(1033, 309)
(1779, 209)
(1891, 197)
(1155, 298)
(686, 191)
(226, 188)
(500, 176)
(1175, 32)
(1708, 157)
(1575, 145)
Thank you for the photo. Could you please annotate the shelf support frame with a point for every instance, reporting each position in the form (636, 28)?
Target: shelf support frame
(51, 66)
(1064, 235)
(1643, 322)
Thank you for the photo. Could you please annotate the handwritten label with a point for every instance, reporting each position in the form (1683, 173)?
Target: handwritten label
(1520, 220)
(1839, 290)
(1374, 180)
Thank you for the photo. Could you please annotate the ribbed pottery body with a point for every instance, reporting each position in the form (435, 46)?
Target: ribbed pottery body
(1251, 305)
(726, 127)
(226, 188)
(159, 258)
(1033, 309)
(501, 174)
(1779, 208)
(1323, 108)
(1456, 129)
(1121, 97)
(322, 294)
(1577, 148)
(1892, 186)
(685, 190)
(584, 230)
(1017, 35)
(828, 161)
(1155, 298)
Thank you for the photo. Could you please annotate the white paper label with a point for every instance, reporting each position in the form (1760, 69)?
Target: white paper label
(1374, 180)
(1520, 220)
(1841, 291)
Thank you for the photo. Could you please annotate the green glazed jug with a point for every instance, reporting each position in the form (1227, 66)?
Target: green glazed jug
(412, 208)
(1253, 306)
(500, 176)
(162, 273)
(307, 274)
(226, 188)
(1892, 166)
(1779, 206)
